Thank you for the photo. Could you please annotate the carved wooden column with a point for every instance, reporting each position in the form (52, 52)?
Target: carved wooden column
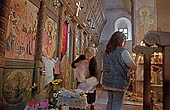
(71, 53)
(147, 51)
(88, 37)
(38, 66)
(147, 84)
(4, 15)
(80, 39)
(74, 27)
(60, 38)
(166, 78)
(42, 15)
(74, 40)
(70, 42)
(162, 40)
(85, 40)
(133, 21)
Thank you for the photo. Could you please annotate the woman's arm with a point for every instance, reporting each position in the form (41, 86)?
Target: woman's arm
(128, 60)
(74, 63)
(93, 67)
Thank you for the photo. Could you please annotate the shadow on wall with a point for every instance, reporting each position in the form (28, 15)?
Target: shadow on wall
(99, 57)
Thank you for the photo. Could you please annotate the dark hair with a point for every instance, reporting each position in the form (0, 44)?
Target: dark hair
(116, 39)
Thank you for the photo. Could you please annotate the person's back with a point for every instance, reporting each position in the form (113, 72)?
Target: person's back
(116, 64)
(116, 70)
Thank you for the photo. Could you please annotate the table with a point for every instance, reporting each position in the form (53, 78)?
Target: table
(73, 103)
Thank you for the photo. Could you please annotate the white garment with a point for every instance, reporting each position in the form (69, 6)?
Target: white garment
(89, 85)
(49, 65)
(82, 71)
(57, 68)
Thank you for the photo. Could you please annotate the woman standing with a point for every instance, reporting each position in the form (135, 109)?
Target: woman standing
(86, 67)
(117, 62)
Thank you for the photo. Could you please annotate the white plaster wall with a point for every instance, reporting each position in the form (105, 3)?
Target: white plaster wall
(111, 16)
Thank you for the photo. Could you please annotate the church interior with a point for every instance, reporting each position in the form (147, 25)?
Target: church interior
(39, 40)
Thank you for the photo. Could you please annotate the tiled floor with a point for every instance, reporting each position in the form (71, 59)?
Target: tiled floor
(101, 101)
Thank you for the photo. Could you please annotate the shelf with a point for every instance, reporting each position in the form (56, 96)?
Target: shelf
(151, 64)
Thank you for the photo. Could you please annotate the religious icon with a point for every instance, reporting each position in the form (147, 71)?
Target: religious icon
(49, 39)
(145, 21)
(15, 84)
(21, 31)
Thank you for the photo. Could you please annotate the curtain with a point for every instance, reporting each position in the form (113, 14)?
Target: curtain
(65, 38)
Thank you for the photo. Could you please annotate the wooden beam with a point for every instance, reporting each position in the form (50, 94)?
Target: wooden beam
(4, 16)
(80, 41)
(38, 53)
(42, 16)
(133, 22)
(146, 85)
(60, 36)
(166, 79)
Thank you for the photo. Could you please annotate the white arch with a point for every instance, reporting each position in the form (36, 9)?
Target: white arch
(124, 23)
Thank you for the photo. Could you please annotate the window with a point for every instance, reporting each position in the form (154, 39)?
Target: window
(125, 31)
(124, 25)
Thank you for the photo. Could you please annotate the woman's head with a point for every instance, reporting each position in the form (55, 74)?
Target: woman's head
(117, 39)
(89, 52)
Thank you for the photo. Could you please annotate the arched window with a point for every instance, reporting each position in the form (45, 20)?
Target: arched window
(124, 25)
(124, 30)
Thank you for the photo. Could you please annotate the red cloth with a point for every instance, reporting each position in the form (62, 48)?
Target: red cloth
(65, 38)
(32, 102)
